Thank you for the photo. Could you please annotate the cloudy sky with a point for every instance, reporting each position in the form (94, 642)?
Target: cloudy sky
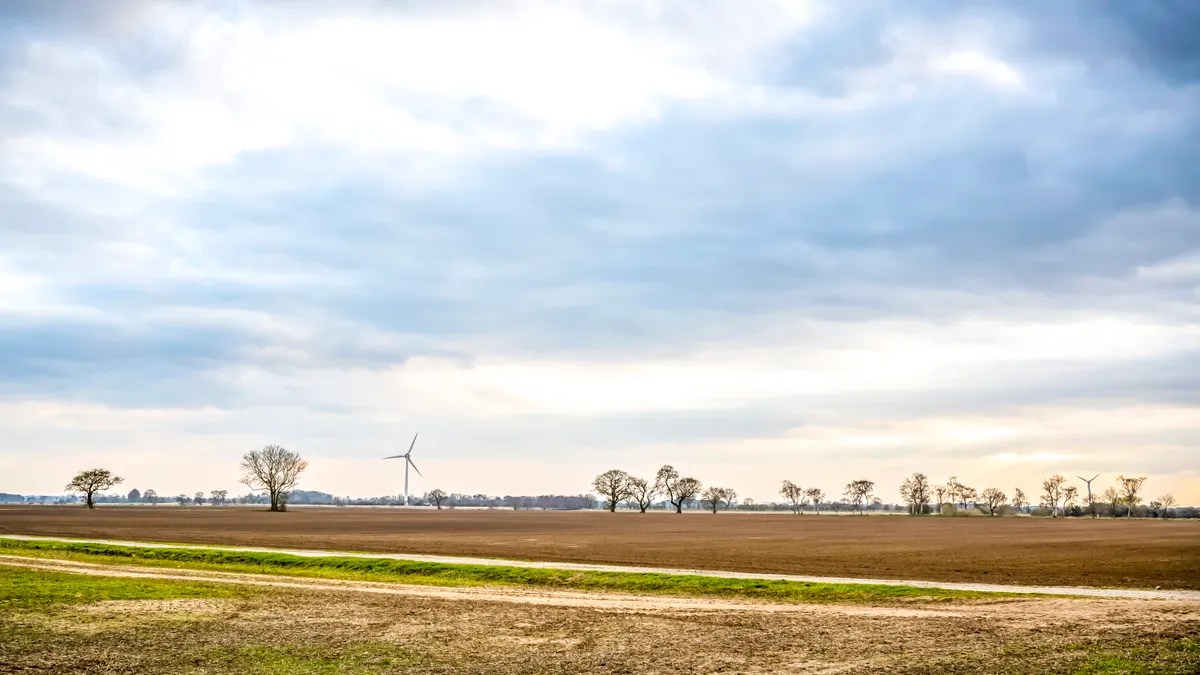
(756, 240)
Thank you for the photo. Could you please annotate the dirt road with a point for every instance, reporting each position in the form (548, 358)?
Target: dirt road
(1025, 610)
(1135, 594)
(611, 601)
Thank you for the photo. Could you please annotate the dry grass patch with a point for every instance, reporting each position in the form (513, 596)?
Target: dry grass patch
(340, 631)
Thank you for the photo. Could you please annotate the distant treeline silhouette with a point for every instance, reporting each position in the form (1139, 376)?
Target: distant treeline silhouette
(272, 473)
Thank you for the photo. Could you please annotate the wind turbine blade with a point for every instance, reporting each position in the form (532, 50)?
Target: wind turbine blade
(410, 447)
(395, 457)
(414, 466)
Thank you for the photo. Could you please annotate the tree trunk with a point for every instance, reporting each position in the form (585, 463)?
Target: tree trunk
(90, 503)
(678, 506)
(612, 506)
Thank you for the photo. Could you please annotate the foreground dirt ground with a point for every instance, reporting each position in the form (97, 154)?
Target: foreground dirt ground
(1127, 553)
(317, 627)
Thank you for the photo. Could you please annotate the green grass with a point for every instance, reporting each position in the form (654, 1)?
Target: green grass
(1180, 657)
(423, 573)
(359, 659)
(24, 589)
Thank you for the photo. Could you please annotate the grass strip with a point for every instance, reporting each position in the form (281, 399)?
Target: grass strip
(441, 574)
(1179, 656)
(27, 589)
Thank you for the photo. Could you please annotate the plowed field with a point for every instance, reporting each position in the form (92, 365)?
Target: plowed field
(1127, 553)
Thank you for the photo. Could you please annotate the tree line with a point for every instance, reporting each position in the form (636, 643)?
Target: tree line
(917, 492)
(273, 472)
(616, 486)
(1057, 498)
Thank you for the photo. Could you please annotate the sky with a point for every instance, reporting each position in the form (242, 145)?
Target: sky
(819, 241)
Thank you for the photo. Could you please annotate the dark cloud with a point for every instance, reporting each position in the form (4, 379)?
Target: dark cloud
(665, 236)
(1157, 36)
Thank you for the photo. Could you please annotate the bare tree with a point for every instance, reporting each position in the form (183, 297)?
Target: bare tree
(968, 496)
(915, 492)
(217, 497)
(940, 492)
(952, 488)
(794, 494)
(1130, 487)
(183, 499)
(1053, 491)
(714, 496)
(642, 492)
(1113, 498)
(992, 499)
(91, 482)
(960, 493)
(613, 485)
(858, 492)
(816, 496)
(150, 496)
(437, 496)
(688, 490)
(274, 470)
(1070, 495)
(1168, 502)
(1019, 501)
(679, 491)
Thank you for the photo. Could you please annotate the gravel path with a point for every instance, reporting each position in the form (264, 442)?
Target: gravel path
(1136, 594)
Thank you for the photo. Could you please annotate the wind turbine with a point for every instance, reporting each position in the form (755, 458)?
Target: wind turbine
(407, 463)
(1091, 504)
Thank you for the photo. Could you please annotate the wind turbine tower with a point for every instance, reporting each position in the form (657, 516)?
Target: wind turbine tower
(407, 463)
(1091, 504)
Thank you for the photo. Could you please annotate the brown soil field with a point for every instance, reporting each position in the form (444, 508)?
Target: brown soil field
(1081, 552)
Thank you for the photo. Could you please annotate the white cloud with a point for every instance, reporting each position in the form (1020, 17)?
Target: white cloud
(416, 87)
(974, 63)
(834, 362)
(123, 144)
(867, 357)
(20, 291)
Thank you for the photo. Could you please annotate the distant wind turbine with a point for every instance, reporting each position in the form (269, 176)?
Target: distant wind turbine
(1091, 505)
(407, 463)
